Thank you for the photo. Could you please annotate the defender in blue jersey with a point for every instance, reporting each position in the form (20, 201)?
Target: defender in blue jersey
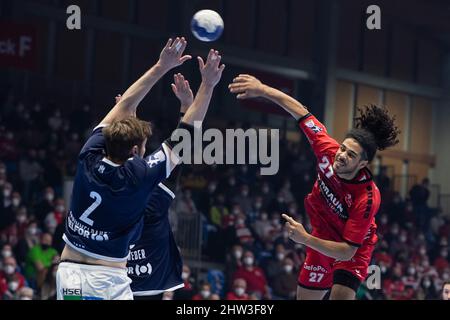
(155, 263)
(113, 184)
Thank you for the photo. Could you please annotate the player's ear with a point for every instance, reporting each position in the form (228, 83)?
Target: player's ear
(362, 164)
(135, 150)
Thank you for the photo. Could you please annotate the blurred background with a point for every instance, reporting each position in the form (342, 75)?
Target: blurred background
(226, 217)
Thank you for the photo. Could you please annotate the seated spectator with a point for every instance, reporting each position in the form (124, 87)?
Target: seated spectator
(39, 259)
(285, 284)
(253, 275)
(446, 291)
(239, 290)
(204, 292)
(10, 279)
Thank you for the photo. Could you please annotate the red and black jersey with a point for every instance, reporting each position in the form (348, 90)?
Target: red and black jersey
(339, 209)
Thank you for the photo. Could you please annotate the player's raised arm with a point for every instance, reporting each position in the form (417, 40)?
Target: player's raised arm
(183, 92)
(211, 73)
(171, 56)
(247, 86)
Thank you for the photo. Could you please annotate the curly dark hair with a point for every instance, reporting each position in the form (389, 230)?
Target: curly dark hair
(374, 130)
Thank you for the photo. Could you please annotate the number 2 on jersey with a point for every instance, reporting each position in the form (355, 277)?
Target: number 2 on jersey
(84, 217)
(326, 166)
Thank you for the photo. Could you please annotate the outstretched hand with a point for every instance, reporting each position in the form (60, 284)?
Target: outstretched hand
(295, 230)
(246, 86)
(211, 71)
(183, 92)
(172, 54)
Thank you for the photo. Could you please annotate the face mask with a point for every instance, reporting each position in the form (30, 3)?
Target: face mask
(276, 221)
(248, 261)
(21, 218)
(427, 283)
(49, 196)
(238, 254)
(444, 254)
(6, 253)
(258, 205)
(184, 275)
(411, 271)
(265, 190)
(212, 188)
(423, 252)
(236, 211)
(6, 193)
(245, 193)
(13, 285)
(292, 210)
(384, 220)
(394, 231)
(60, 208)
(288, 268)
(280, 199)
(239, 291)
(403, 239)
(280, 256)
(32, 231)
(205, 294)
(240, 221)
(264, 217)
(16, 202)
(9, 269)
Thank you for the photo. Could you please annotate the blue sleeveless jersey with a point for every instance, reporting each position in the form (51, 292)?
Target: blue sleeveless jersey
(155, 263)
(108, 200)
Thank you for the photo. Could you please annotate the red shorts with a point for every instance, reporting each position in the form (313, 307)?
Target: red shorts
(317, 270)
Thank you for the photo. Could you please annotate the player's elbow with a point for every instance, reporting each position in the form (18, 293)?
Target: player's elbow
(347, 253)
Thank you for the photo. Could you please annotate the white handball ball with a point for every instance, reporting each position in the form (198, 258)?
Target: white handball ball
(207, 25)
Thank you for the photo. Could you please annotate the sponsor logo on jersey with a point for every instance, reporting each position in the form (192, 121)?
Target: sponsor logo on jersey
(315, 128)
(140, 270)
(314, 268)
(331, 199)
(84, 231)
(156, 158)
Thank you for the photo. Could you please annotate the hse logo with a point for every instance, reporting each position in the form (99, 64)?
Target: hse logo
(76, 294)
(140, 270)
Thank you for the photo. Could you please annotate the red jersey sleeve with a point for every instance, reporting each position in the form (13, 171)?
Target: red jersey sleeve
(361, 217)
(317, 135)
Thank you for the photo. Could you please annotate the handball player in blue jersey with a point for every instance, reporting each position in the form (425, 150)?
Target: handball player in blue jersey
(114, 181)
(155, 264)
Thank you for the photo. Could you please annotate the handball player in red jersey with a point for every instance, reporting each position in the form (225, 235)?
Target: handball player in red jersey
(344, 200)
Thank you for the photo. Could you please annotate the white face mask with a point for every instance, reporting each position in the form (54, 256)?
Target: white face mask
(6, 193)
(258, 205)
(22, 218)
(9, 269)
(49, 196)
(15, 202)
(33, 231)
(184, 275)
(238, 254)
(205, 294)
(6, 253)
(239, 291)
(280, 256)
(13, 285)
(288, 268)
(60, 208)
(248, 261)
